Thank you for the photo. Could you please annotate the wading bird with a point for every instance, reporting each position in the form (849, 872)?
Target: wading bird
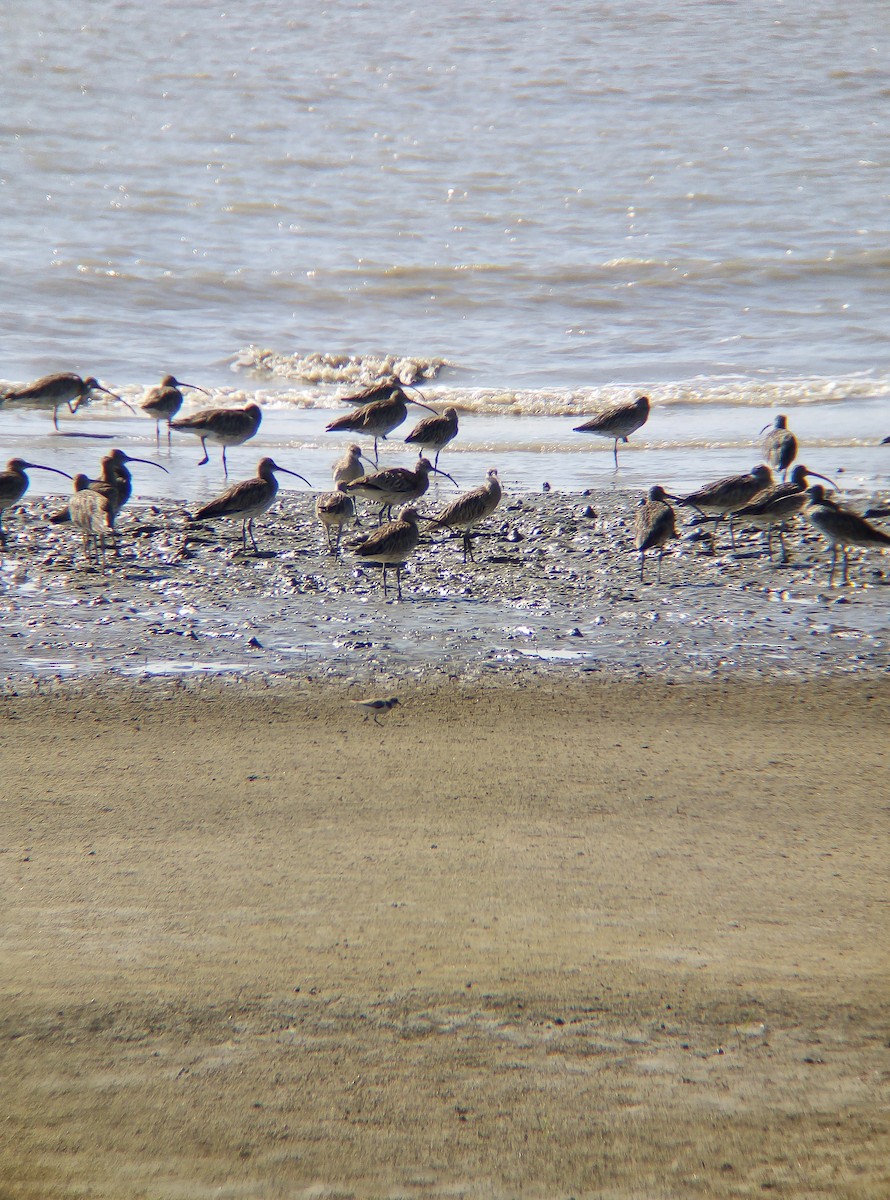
(777, 504)
(162, 403)
(779, 446)
(618, 422)
(654, 525)
(434, 433)
(469, 509)
(391, 544)
(841, 528)
(377, 706)
(334, 510)
(92, 514)
(378, 417)
(350, 466)
(115, 483)
(395, 485)
(726, 496)
(224, 426)
(52, 391)
(14, 483)
(248, 499)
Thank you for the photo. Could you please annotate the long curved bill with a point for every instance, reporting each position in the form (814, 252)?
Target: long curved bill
(439, 471)
(29, 466)
(148, 462)
(193, 386)
(816, 475)
(419, 404)
(295, 474)
(113, 395)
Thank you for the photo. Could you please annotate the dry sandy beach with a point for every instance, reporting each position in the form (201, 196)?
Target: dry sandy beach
(578, 938)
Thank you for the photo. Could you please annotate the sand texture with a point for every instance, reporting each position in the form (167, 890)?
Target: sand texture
(575, 939)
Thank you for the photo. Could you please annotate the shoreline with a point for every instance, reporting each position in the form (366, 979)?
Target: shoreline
(555, 588)
(586, 937)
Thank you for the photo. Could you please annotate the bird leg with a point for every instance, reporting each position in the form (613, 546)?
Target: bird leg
(206, 459)
(660, 557)
(833, 564)
(225, 464)
(642, 565)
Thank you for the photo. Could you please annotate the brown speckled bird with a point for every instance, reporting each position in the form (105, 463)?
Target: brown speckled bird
(14, 483)
(52, 391)
(224, 426)
(618, 421)
(654, 525)
(248, 499)
(163, 402)
(841, 528)
(391, 544)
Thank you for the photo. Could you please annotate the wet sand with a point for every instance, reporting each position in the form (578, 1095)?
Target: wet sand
(556, 585)
(561, 937)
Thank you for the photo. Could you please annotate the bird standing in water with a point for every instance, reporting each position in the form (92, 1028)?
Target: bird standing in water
(334, 510)
(377, 416)
(727, 496)
(225, 426)
(391, 544)
(92, 513)
(115, 482)
(779, 446)
(164, 402)
(348, 467)
(434, 433)
(777, 504)
(395, 485)
(618, 421)
(52, 391)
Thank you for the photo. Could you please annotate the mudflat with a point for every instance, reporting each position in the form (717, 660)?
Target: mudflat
(562, 938)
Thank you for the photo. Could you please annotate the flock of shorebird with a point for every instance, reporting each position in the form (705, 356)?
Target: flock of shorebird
(754, 498)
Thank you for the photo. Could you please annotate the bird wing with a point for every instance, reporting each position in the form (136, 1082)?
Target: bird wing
(234, 499)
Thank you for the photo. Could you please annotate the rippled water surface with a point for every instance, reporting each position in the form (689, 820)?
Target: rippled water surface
(579, 195)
